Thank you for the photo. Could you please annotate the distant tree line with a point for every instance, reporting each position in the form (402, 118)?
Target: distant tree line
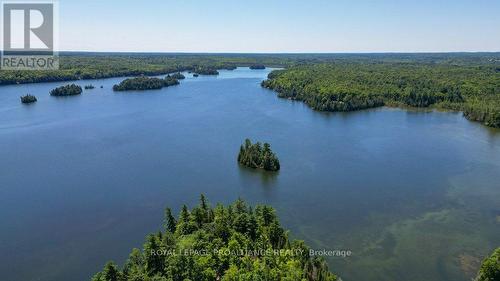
(257, 66)
(236, 242)
(258, 156)
(76, 66)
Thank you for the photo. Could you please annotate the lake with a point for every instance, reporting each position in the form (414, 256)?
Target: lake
(415, 195)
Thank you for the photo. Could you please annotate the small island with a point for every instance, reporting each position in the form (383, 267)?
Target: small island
(257, 66)
(89, 87)
(67, 90)
(28, 99)
(178, 76)
(145, 83)
(258, 156)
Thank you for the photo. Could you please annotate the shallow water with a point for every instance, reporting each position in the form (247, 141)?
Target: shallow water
(414, 195)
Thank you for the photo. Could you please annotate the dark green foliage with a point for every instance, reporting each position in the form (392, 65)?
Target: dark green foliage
(89, 87)
(258, 156)
(257, 66)
(76, 66)
(109, 273)
(145, 83)
(170, 81)
(353, 86)
(28, 98)
(229, 67)
(222, 243)
(205, 70)
(490, 268)
(170, 222)
(178, 76)
(67, 90)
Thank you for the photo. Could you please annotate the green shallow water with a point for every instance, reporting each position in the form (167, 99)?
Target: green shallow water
(414, 195)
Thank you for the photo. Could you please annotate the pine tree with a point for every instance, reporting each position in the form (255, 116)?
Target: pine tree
(170, 223)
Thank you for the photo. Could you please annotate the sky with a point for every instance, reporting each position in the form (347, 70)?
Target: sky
(279, 26)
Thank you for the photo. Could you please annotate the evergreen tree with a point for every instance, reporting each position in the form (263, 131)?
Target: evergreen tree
(234, 229)
(258, 156)
(170, 223)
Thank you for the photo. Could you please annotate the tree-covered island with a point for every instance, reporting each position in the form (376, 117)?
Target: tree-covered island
(67, 90)
(145, 83)
(227, 243)
(178, 76)
(258, 156)
(28, 99)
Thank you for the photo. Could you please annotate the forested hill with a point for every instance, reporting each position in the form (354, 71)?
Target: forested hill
(81, 65)
(235, 242)
(472, 87)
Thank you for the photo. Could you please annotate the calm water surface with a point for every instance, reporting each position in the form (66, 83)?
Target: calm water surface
(414, 195)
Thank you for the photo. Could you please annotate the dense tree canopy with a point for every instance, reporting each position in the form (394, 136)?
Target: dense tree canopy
(222, 243)
(258, 156)
(67, 90)
(490, 268)
(145, 83)
(178, 76)
(75, 66)
(28, 99)
(353, 86)
(205, 70)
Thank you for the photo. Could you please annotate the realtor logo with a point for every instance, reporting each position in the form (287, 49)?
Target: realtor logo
(28, 35)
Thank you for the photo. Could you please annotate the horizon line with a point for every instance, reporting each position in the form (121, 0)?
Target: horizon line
(284, 53)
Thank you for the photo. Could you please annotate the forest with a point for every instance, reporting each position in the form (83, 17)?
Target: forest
(235, 242)
(258, 156)
(66, 90)
(347, 86)
(80, 66)
(145, 83)
(88, 65)
(178, 76)
(205, 70)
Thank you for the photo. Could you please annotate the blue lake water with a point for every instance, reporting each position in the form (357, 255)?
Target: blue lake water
(415, 195)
